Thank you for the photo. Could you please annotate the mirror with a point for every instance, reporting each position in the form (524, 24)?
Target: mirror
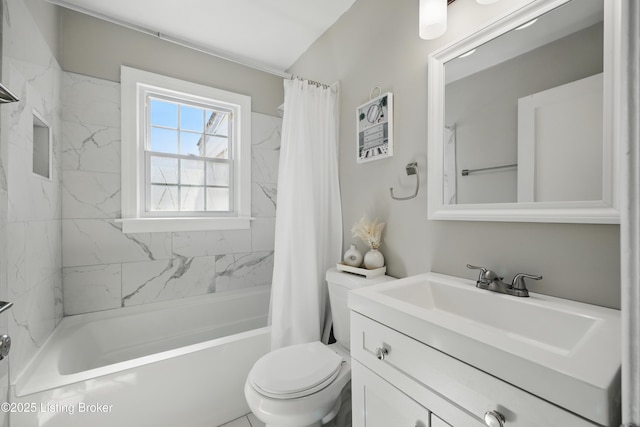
(520, 118)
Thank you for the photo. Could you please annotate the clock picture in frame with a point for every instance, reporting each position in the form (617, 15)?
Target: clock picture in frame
(375, 129)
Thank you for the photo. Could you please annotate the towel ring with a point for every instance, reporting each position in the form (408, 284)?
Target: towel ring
(412, 169)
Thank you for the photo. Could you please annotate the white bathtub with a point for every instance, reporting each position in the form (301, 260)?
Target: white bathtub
(175, 363)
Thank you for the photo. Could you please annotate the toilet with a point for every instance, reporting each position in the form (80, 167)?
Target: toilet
(301, 385)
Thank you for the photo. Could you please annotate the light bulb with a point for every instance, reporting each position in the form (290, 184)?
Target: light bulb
(433, 18)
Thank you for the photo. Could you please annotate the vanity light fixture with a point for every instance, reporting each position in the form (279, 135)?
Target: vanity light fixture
(433, 18)
(528, 24)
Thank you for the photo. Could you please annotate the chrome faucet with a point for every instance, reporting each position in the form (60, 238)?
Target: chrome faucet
(490, 281)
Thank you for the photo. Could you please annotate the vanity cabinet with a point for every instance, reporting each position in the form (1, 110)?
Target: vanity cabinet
(399, 381)
(379, 404)
(437, 422)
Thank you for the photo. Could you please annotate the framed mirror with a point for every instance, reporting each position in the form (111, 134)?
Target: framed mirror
(521, 118)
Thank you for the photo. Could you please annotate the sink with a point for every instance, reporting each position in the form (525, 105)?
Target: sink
(557, 329)
(566, 352)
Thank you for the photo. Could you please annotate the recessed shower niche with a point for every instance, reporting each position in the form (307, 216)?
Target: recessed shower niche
(41, 146)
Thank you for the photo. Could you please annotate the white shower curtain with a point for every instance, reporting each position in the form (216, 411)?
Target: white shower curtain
(309, 213)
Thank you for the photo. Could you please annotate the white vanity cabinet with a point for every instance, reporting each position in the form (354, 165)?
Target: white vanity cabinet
(376, 403)
(437, 422)
(398, 381)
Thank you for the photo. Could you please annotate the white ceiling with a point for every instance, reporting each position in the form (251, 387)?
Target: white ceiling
(266, 34)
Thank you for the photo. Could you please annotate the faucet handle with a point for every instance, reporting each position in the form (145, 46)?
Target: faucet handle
(486, 276)
(482, 273)
(518, 281)
(474, 267)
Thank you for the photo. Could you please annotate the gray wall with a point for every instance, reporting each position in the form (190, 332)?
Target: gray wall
(376, 43)
(97, 48)
(46, 17)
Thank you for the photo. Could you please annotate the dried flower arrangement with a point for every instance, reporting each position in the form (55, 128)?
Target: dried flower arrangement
(370, 232)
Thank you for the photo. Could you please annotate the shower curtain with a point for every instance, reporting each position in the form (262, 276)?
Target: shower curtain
(309, 213)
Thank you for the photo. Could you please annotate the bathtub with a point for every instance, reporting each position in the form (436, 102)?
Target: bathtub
(175, 363)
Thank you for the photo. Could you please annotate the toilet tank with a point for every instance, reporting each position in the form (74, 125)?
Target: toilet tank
(340, 284)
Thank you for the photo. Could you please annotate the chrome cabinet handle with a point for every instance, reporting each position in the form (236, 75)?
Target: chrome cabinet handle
(494, 419)
(381, 353)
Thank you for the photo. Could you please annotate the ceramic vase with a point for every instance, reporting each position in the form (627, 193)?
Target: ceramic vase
(373, 259)
(353, 257)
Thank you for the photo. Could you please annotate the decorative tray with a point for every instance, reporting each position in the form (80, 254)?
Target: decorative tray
(369, 274)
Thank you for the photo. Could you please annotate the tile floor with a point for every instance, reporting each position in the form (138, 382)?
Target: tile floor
(249, 420)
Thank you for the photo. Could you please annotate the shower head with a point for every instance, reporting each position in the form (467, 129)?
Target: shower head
(6, 96)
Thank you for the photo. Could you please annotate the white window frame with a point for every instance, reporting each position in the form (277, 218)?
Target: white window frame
(135, 85)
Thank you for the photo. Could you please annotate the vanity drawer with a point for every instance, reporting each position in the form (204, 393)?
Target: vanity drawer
(459, 393)
(437, 421)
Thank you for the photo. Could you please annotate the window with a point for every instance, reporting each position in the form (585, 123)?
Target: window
(188, 164)
(186, 155)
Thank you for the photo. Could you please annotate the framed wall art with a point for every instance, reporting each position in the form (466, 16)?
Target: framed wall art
(375, 129)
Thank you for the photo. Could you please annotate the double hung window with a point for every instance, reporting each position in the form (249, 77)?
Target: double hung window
(188, 158)
(186, 155)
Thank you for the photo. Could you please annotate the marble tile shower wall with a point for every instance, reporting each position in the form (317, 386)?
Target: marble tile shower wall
(104, 268)
(33, 221)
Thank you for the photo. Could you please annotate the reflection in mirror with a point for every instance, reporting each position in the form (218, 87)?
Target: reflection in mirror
(523, 119)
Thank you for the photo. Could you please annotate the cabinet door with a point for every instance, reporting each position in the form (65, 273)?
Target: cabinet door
(437, 422)
(376, 403)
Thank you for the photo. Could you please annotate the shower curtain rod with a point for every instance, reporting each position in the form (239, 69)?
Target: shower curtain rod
(312, 82)
(227, 56)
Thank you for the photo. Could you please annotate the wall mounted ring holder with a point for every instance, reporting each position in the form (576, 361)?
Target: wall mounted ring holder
(412, 169)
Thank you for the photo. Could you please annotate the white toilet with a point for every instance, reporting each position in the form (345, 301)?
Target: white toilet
(301, 385)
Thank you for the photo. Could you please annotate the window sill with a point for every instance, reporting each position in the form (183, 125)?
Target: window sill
(153, 225)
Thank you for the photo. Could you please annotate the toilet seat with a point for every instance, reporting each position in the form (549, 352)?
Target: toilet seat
(295, 371)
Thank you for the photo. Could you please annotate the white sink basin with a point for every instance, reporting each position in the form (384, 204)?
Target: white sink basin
(557, 329)
(563, 351)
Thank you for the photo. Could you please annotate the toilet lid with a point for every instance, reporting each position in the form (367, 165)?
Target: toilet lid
(296, 371)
